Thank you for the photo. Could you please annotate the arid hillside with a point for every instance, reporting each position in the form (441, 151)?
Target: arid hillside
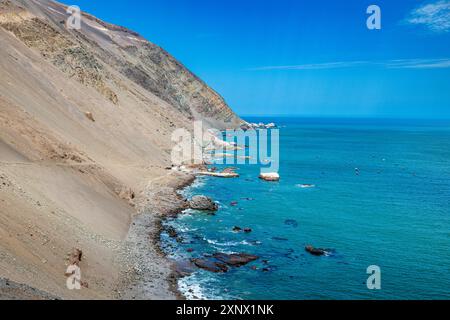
(86, 118)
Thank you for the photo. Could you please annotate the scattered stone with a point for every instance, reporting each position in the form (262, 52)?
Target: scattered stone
(247, 230)
(237, 229)
(234, 203)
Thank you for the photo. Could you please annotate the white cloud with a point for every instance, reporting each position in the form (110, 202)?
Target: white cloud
(419, 64)
(314, 66)
(434, 16)
(390, 64)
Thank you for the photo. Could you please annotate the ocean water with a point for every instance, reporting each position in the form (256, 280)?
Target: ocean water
(395, 214)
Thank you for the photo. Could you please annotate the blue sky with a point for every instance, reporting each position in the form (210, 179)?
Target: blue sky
(304, 57)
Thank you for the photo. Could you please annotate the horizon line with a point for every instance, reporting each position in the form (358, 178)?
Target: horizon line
(294, 115)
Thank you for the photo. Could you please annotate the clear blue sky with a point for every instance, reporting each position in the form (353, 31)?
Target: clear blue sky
(304, 57)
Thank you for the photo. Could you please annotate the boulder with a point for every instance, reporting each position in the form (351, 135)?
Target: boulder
(315, 251)
(203, 203)
(235, 260)
(271, 176)
(89, 116)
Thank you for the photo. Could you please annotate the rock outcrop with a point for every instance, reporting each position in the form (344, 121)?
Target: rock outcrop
(235, 260)
(272, 176)
(203, 203)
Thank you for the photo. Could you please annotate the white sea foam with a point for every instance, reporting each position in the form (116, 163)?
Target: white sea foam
(228, 243)
(191, 289)
(306, 186)
(202, 286)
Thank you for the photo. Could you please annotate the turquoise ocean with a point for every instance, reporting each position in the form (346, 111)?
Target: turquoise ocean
(393, 212)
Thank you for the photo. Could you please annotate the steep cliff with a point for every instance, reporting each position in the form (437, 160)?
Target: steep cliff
(86, 118)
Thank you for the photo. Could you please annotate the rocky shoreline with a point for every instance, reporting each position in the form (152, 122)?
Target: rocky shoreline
(148, 273)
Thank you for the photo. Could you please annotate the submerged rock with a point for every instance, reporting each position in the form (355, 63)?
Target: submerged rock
(291, 222)
(203, 203)
(279, 239)
(235, 260)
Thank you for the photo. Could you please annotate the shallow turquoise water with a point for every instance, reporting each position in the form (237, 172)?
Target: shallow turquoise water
(394, 214)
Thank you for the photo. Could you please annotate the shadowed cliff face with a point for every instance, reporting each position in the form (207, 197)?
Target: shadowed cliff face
(99, 52)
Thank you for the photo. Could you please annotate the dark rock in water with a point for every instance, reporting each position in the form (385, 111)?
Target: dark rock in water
(203, 203)
(234, 203)
(210, 265)
(239, 229)
(279, 239)
(315, 251)
(291, 222)
(254, 268)
(190, 250)
(235, 260)
(180, 239)
(172, 232)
